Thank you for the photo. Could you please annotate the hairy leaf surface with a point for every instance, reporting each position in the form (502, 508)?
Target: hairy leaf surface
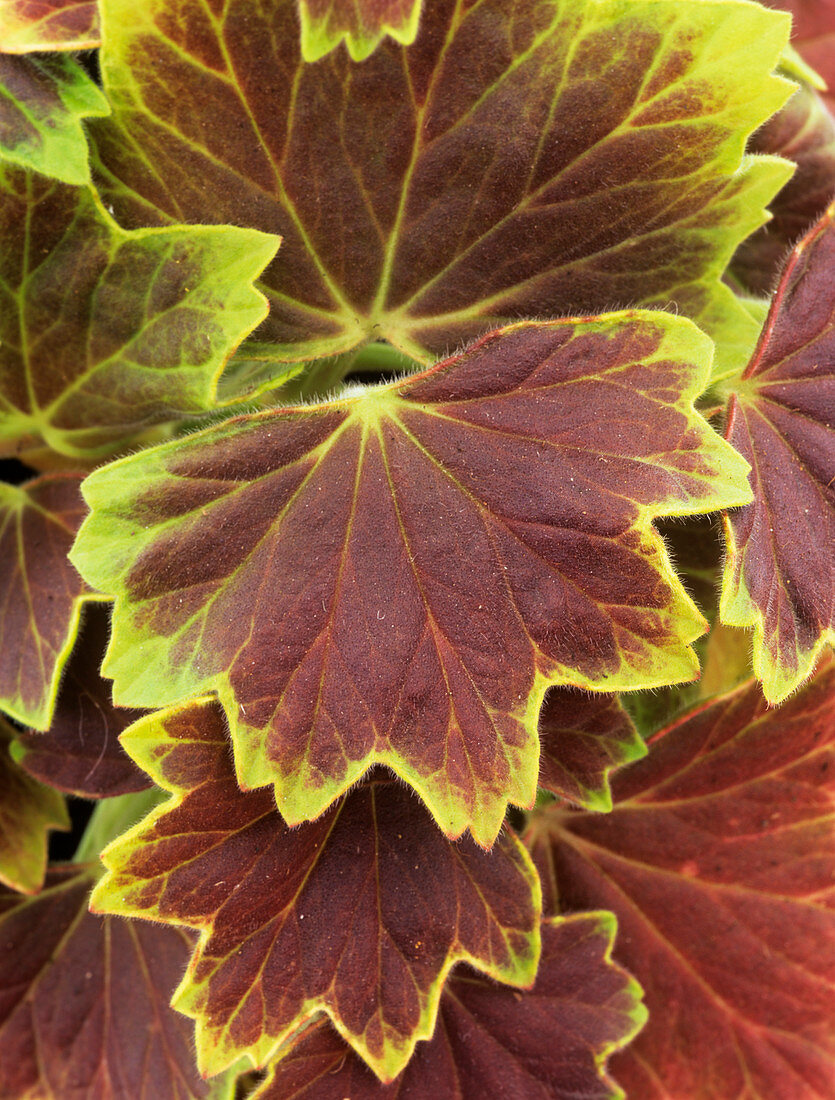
(550, 1043)
(80, 752)
(536, 158)
(780, 573)
(84, 1002)
(717, 860)
(42, 103)
(397, 577)
(360, 914)
(40, 592)
(583, 737)
(804, 131)
(362, 23)
(27, 25)
(27, 811)
(105, 332)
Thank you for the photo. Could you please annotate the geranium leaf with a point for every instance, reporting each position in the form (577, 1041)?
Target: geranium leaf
(42, 103)
(583, 737)
(804, 132)
(813, 33)
(362, 23)
(717, 860)
(360, 914)
(779, 573)
(41, 592)
(80, 753)
(27, 25)
(105, 332)
(27, 811)
(533, 159)
(550, 1043)
(397, 577)
(84, 1002)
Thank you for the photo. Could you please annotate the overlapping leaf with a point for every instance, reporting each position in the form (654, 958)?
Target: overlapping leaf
(80, 753)
(540, 158)
(804, 132)
(547, 1044)
(718, 862)
(360, 914)
(84, 1002)
(813, 33)
(362, 23)
(42, 103)
(105, 332)
(780, 573)
(27, 811)
(27, 25)
(583, 737)
(40, 592)
(397, 577)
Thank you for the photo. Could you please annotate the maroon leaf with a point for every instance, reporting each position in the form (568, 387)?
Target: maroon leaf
(518, 159)
(718, 862)
(395, 578)
(27, 25)
(27, 811)
(583, 737)
(84, 1002)
(780, 573)
(360, 914)
(813, 34)
(80, 753)
(550, 1043)
(804, 132)
(40, 592)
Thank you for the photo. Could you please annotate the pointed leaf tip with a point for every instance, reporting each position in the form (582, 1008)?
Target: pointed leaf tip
(360, 914)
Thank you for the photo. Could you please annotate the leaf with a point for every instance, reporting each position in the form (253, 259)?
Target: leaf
(105, 332)
(48, 25)
(813, 34)
(583, 737)
(360, 915)
(84, 1002)
(42, 103)
(534, 159)
(550, 1043)
(80, 753)
(779, 572)
(397, 577)
(27, 811)
(362, 23)
(717, 860)
(41, 592)
(804, 132)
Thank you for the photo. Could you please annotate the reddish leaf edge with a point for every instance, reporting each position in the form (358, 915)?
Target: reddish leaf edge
(735, 607)
(133, 740)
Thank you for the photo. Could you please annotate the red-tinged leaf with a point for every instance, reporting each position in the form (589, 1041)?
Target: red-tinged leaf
(80, 753)
(84, 1002)
(518, 159)
(103, 332)
(360, 914)
(583, 737)
(550, 1043)
(804, 132)
(28, 810)
(362, 23)
(40, 592)
(780, 573)
(397, 577)
(813, 34)
(718, 862)
(43, 102)
(27, 25)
